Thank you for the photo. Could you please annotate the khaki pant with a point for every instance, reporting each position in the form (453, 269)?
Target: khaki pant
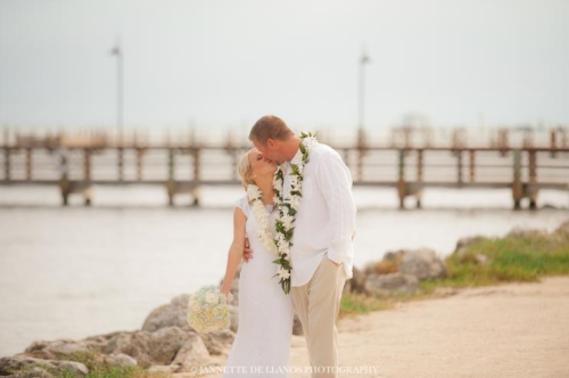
(317, 304)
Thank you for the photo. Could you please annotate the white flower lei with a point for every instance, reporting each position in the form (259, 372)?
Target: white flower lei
(288, 207)
(254, 194)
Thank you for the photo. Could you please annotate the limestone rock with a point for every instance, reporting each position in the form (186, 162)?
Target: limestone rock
(149, 348)
(218, 343)
(385, 284)
(422, 263)
(388, 264)
(462, 243)
(357, 283)
(172, 314)
(192, 354)
(21, 365)
(121, 359)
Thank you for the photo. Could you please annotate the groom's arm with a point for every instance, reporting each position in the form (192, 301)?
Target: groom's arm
(335, 182)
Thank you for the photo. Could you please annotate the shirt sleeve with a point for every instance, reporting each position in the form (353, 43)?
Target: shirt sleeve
(335, 182)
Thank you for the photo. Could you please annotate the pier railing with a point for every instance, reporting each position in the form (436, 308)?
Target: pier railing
(184, 167)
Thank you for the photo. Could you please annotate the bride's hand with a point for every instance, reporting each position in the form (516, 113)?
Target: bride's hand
(224, 290)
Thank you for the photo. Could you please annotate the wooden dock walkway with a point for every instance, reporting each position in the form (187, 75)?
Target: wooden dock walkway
(183, 168)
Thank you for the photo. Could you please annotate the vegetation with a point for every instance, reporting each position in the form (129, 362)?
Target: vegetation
(114, 372)
(517, 257)
(99, 369)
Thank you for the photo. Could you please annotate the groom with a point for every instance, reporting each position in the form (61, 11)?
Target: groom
(322, 252)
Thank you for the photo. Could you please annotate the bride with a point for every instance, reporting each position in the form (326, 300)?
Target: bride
(262, 344)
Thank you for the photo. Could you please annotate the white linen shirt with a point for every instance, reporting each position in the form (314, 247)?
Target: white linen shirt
(326, 218)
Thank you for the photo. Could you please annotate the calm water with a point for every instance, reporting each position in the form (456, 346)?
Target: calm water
(79, 271)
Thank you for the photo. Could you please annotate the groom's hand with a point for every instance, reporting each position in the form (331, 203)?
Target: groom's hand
(247, 253)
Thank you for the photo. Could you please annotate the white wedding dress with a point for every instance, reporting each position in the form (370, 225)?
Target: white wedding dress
(262, 344)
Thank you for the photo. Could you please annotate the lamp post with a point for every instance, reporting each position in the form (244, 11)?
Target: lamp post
(118, 53)
(364, 59)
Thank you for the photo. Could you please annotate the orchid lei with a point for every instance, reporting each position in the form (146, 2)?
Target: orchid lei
(288, 207)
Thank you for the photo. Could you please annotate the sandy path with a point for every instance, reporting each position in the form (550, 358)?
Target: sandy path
(509, 330)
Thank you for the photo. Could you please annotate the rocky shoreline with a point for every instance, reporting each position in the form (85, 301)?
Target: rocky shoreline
(166, 344)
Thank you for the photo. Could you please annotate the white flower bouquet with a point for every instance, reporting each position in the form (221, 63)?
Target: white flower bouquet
(208, 310)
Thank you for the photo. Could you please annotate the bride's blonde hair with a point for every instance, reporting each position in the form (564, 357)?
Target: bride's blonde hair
(245, 170)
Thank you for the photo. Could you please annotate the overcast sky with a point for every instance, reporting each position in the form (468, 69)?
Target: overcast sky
(226, 63)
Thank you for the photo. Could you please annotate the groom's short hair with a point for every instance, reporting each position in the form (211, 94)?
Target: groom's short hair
(269, 126)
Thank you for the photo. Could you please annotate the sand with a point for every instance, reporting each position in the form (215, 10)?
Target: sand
(508, 330)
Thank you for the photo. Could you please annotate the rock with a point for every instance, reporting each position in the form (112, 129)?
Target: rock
(30, 372)
(166, 346)
(369, 267)
(166, 342)
(476, 258)
(66, 347)
(150, 348)
(26, 366)
(166, 369)
(465, 256)
(132, 343)
(121, 359)
(81, 351)
(99, 342)
(173, 314)
(481, 259)
(398, 271)
(385, 284)
(77, 367)
(357, 283)
(34, 372)
(422, 263)
(462, 243)
(57, 349)
(388, 264)
(394, 257)
(10, 365)
(192, 354)
(218, 343)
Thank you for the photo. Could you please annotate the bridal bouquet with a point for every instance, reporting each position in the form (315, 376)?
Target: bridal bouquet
(208, 310)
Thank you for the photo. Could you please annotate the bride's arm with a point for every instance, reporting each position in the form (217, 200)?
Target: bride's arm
(235, 250)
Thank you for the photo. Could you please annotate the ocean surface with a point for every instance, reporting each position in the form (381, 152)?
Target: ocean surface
(75, 272)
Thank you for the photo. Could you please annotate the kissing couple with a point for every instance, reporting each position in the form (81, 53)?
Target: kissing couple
(293, 229)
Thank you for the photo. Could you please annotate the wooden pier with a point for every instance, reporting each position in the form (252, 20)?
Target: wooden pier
(184, 167)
